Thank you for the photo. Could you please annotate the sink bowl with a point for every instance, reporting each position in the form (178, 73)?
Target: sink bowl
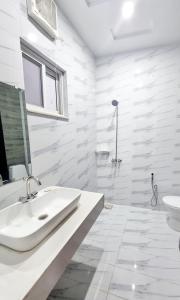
(172, 204)
(24, 225)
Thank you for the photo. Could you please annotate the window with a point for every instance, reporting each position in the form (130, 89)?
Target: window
(45, 84)
(32, 81)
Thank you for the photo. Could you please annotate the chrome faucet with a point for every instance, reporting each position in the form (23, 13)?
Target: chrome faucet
(29, 194)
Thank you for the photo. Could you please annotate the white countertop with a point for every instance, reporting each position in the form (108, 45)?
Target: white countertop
(19, 272)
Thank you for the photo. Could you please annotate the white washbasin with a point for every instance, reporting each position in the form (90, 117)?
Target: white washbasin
(172, 204)
(24, 225)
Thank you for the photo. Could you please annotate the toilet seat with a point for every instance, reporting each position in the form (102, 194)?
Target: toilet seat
(172, 201)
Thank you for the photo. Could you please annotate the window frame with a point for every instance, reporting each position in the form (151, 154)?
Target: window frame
(47, 64)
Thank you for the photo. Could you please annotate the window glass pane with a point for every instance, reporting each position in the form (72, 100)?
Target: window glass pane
(32, 81)
(51, 93)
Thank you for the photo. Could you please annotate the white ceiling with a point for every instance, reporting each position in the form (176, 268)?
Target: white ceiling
(100, 24)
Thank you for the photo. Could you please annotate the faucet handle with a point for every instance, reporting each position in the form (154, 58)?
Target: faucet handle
(34, 194)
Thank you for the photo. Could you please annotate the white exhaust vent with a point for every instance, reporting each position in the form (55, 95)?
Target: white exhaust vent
(44, 12)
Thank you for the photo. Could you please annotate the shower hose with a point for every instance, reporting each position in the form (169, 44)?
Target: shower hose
(154, 198)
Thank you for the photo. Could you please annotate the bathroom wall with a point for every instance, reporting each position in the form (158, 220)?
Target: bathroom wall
(62, 152)
(147, 86)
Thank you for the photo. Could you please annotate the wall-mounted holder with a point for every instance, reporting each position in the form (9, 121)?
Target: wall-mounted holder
(103, 152)
(102, 149)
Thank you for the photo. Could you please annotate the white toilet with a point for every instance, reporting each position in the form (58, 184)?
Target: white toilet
(172, 203)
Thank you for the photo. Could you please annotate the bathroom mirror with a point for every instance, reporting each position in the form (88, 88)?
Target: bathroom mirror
(15, 160)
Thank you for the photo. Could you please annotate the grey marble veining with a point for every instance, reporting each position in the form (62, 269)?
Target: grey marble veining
(57, 147)
(147, 85)
(129, 254)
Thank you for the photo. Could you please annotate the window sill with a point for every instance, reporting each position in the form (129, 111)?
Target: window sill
(33, 109)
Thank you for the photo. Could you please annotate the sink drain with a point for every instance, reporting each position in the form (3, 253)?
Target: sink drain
(42, 217)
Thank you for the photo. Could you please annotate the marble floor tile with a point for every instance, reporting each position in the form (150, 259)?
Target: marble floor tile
(127, 281)
(133, 256)
(129, 254)
(88, 254)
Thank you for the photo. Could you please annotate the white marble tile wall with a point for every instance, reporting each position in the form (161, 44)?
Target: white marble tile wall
(147, 86)
(62, 152)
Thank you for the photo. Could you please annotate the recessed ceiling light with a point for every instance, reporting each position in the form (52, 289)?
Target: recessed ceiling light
(128, 9)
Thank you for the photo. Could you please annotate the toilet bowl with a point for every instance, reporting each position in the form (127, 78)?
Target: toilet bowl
(172, 204)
